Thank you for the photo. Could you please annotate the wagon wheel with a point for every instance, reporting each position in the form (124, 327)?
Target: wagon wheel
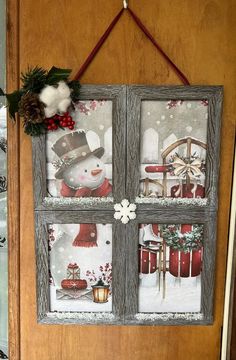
(188, 141)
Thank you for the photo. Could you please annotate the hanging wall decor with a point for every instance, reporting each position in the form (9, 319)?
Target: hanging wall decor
(125, 207)
(125, 196)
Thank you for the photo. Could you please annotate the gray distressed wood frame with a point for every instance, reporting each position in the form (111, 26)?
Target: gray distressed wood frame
(45, 218)
(205, 316)
(126, 160)
(165, 211)
(138, 93)
(117, 94)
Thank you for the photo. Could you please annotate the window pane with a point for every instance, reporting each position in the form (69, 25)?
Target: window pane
(173, 148)
(79, 163)
(170, 265)
(80, 267)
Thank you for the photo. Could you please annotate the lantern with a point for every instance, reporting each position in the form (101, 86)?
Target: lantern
(100, 292)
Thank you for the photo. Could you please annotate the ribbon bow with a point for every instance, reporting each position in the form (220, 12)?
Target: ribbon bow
(183, 168)
(73, 266)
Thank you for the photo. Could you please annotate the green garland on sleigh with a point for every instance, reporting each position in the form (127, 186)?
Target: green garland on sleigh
(191, 240)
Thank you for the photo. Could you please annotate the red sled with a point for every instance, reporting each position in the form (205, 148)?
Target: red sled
(76, 284)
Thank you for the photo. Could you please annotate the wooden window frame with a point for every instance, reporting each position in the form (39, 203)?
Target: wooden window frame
(126, 156)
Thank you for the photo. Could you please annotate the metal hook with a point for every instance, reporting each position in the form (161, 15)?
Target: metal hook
(125, 2)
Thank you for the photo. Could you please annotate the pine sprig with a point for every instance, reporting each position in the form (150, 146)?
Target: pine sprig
(34, 79)
(74, 85)
(35, 129)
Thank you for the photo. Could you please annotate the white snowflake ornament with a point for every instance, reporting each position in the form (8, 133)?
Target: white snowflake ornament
(125, 211)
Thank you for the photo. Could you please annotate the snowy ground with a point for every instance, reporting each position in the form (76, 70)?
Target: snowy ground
(182, 295)
(77, 305)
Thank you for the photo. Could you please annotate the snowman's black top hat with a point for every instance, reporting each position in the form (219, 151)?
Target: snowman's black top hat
(72, 148)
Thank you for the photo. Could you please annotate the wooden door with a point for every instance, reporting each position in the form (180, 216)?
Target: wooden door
(199, 37)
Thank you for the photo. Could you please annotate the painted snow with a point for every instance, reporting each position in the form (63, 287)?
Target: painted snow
(94, 117)
(94, 263)
(162, 124)
(160, 291)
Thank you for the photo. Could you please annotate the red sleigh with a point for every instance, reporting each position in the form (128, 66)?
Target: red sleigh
(186, 189)
(179, 264)
(183, 264)
(153, 258)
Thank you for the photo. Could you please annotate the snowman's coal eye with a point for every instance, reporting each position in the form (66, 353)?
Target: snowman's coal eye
(98, 165)
(85, 170)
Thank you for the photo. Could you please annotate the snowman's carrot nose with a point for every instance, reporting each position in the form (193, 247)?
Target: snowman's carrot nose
(96, 172)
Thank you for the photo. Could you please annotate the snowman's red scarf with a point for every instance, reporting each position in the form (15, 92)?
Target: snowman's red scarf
(104, 190)
(87, 237)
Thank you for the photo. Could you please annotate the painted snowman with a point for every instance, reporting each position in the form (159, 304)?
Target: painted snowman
(83, 175)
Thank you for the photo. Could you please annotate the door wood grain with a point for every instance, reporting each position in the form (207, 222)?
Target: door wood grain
(199, 37)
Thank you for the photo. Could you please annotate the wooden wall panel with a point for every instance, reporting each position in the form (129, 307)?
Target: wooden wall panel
(199, 37)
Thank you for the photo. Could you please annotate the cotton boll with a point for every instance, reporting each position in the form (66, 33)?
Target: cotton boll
(64, 104)
(50, 111)
(63, 90)
(49, 95)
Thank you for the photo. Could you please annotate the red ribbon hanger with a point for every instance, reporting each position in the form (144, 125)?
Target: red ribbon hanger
(137, 20)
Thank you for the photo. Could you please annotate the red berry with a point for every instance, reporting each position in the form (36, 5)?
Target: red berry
(49, 127)
(55, 127)
(61, 123)
(64, 124)
(51, 121)
(71, 127)
(73, 122)
(69, 123)
(69, 118)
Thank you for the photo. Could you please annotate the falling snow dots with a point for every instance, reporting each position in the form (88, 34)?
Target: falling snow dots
(158, 122)
(101, 127)
(163, 117)
(72, 179)
(189, 129)
(63, 144)
(61, 249)
(148, 113)
(58, 271)
(189, 105)
(171, 116)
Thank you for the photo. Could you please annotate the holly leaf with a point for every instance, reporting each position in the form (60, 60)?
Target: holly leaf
(2, 92)
(74, 85)
(13, 102)
(56, 74)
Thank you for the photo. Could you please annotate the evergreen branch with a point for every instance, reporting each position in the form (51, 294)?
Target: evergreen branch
(56, 74)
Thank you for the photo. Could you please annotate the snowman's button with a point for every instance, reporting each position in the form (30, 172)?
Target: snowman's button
(92, 234)
(84, 153)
